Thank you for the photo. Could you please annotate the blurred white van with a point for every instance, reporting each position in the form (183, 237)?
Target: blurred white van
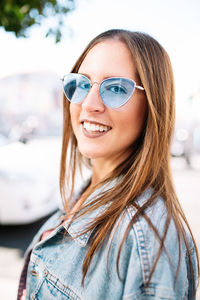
(30, 146)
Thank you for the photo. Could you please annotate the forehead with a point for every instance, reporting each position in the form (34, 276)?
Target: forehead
(111, 58)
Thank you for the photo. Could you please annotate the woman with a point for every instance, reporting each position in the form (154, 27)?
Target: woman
(124, 234)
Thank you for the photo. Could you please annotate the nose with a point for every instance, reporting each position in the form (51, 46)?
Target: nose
(93, 102)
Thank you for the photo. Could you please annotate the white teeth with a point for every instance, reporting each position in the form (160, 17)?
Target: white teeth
(94, 127)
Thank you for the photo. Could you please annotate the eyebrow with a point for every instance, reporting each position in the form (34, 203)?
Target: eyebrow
(106, 77)
(88, 76)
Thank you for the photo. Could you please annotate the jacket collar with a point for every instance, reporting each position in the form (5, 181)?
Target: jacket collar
(79, 225)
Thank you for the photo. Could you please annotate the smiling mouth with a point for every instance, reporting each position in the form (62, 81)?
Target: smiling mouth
(94, 127)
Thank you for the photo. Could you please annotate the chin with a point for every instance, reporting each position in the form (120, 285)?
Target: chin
(88, 153)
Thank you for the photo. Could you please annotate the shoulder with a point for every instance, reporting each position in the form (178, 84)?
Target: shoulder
(145, 243)
(157, 215)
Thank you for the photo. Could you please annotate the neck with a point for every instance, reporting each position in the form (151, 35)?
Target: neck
(102, 168)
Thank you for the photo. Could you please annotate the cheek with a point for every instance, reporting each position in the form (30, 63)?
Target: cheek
(72, 110)
(134, 117)
(74, 115)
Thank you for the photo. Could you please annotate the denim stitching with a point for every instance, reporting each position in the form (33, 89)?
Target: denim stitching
(142, 248)
(60, 286)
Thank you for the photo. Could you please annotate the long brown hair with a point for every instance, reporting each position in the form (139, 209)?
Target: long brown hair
(147, 166)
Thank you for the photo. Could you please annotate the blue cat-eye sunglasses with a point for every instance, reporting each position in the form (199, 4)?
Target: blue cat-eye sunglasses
(114, 91)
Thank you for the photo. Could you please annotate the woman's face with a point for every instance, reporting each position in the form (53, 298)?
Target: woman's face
(121, 126)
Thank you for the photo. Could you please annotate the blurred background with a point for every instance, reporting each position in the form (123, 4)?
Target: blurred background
(39, 43)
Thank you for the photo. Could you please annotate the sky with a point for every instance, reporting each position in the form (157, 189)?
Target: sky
(174, 23)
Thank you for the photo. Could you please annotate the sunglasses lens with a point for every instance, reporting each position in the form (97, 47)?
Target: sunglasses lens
(76, 87)
(115, 92)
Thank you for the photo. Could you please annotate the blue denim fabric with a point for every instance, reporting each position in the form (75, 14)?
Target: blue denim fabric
(55, 267)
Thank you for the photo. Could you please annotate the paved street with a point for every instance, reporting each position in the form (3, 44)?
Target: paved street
(15, 239)
(187, 182)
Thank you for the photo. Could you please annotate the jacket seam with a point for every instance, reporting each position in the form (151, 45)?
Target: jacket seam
(137, 227)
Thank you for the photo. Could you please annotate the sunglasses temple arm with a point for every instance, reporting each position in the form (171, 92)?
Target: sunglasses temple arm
(139, 87)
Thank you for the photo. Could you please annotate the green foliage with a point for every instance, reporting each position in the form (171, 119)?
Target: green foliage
(19, 15)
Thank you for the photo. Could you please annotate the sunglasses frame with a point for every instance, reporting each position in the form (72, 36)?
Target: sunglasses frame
(92, 83)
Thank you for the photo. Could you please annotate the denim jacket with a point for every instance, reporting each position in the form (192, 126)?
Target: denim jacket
(55, 267)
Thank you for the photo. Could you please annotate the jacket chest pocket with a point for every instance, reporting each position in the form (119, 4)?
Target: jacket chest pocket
(51, 288)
